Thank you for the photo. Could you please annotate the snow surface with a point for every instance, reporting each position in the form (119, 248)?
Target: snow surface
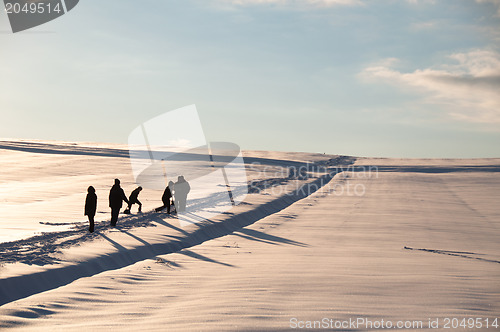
(404, 239)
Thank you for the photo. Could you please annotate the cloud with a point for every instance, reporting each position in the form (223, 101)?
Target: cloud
(494, 2)
(421, 1)
(468, 87)
(422, 26)
(329, 3)
(319, 3)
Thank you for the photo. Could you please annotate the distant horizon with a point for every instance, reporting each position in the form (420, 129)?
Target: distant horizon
(125, 145)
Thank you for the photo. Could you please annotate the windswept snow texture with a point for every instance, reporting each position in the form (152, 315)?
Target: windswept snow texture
(271, 180)
(317, 237)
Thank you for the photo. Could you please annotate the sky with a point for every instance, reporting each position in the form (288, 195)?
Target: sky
(381, 78)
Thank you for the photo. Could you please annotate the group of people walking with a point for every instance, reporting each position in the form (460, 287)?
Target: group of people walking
(175, 195)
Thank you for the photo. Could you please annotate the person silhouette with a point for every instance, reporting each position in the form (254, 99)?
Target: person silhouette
(182, 189)
(165, 198)
(116, 198)
(133, 199)
(171, 186)
(91, 207)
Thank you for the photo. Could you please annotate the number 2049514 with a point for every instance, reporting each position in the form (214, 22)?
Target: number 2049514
(32, 8)
(470, 323)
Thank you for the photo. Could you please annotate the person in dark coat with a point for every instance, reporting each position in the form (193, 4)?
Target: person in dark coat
(182, 189)
(133, 199)
(91, 207)
(165, 198)
(116, 198)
